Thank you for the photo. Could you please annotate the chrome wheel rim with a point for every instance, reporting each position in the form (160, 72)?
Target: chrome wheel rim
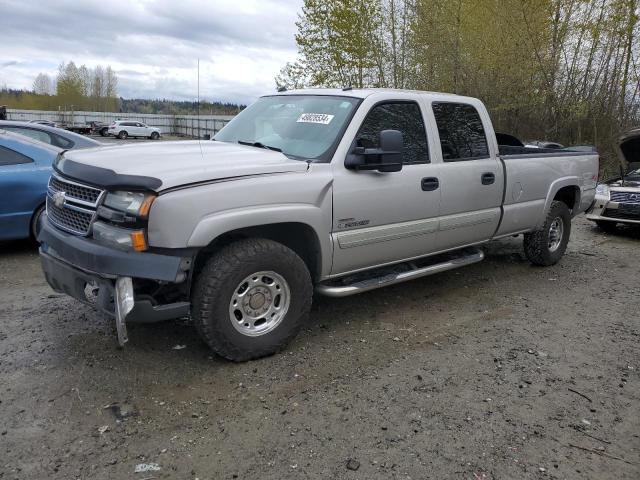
(259, 303)
(555, 234)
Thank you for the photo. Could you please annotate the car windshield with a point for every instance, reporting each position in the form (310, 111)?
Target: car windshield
(305, 127)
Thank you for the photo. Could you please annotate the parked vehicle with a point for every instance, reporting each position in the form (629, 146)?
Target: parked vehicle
(53, 136)
(341, 190)
(618, 199)
(123, 129)
(44, 122)
(25, 168)
(100, 128)
(544, 144)
(79, 128)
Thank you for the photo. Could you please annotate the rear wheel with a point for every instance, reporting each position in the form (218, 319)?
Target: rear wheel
(155, 136)
(122, 135)
(104, 131)
(606, 226)
(547, 245)
(251, 298)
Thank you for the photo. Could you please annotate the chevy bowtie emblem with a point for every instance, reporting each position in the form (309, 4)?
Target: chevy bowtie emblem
(634, 197)
(59, 198)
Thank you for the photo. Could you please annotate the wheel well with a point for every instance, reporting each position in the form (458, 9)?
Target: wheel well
(299, 237)
(570, 196)
(41, 206)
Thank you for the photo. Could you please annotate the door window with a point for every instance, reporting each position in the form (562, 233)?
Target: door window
(462, 135)
(11, 157)
(402, 116)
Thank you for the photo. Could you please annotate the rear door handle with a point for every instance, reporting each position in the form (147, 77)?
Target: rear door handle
(429, 184)
(488, 178)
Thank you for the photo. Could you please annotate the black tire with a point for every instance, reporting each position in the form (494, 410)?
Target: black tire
(123, 134)
(607, 226)
(218, 282)
(104, 131)
(537, 245)
(34, 226)
(154, 136)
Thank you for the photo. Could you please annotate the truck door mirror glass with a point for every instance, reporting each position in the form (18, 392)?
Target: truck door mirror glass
(386, 158)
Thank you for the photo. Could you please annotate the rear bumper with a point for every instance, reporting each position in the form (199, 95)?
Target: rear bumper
(88, 272)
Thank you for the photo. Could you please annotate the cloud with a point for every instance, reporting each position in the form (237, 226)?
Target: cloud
(154, 45)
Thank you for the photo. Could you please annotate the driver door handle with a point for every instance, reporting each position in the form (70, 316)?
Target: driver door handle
(429, 184)
(488, 178)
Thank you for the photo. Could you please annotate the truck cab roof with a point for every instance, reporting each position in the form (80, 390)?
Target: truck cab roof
(366, 92)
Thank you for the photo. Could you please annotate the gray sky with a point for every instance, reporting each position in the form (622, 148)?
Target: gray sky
(153, 45)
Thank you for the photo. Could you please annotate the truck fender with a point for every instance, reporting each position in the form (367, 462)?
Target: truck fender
(215, 225)
(556, 186)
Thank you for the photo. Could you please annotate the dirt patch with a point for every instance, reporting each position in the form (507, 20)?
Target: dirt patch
(497, 371)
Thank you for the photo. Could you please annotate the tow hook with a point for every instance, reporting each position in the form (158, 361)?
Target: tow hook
(124, 304)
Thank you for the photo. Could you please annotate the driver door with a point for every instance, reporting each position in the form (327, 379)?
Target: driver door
(386, 217)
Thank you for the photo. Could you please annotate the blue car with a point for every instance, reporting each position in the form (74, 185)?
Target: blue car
(25, 168)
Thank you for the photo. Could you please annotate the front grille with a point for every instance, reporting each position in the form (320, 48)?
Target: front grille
(632, 198)
(72, 220)
(623, 212)
(75, 191)
(72, 206)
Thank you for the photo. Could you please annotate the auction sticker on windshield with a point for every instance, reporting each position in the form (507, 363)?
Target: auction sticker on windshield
(322, 118)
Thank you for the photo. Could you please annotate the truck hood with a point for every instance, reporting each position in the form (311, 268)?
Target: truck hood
(629, 156)
(629, 147)
(162, 165)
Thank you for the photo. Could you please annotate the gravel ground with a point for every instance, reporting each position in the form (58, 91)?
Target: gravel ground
(497, 371)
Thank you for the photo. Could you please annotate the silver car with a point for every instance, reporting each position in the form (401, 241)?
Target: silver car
(618, 199)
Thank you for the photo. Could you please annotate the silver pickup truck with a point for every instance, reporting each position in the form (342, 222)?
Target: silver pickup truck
(341, 191)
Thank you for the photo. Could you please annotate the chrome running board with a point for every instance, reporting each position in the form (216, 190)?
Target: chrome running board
(399, 273)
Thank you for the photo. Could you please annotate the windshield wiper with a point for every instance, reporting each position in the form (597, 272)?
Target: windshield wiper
(259, 145)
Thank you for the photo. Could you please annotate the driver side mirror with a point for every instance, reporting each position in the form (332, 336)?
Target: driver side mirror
(386, 158)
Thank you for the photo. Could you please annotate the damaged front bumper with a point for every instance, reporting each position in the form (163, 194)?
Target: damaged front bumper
(104, 277)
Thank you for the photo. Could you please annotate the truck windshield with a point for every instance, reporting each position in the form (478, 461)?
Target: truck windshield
(305, 127)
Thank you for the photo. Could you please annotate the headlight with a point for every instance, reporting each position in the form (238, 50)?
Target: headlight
(122, 238)
(602, 190)
(134, 203)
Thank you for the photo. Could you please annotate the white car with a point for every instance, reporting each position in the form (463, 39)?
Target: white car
(123, 129)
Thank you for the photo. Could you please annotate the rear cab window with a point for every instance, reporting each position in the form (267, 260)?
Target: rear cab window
(404, 116)
(462, 135)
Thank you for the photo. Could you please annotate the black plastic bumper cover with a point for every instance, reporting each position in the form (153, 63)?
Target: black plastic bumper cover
(108, 262)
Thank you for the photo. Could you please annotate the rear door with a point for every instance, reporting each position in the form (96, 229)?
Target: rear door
(385, 217)
(18, 198)
(471, 175)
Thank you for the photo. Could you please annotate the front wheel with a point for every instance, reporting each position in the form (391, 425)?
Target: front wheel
(547, 245)
(251, 298)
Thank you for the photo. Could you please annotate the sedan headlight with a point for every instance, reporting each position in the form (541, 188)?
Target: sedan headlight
(121, 238)
(133, 203)
(602, 190)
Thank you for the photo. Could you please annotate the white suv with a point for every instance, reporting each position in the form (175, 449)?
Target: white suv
(123, 129)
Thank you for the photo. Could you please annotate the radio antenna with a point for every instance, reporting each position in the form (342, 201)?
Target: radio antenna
(198, 98)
